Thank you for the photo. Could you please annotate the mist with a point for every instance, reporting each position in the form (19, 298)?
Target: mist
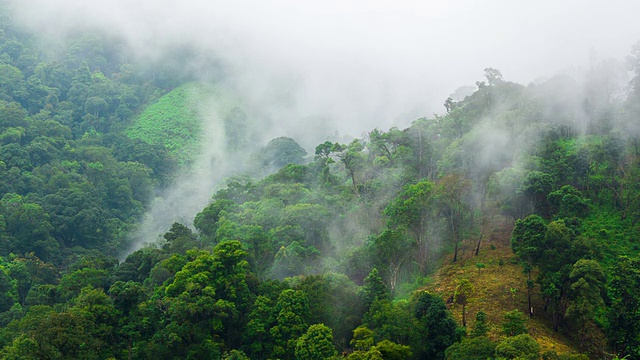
(356, 64)
(313, 71)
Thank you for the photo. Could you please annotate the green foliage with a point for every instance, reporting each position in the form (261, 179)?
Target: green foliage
(521, 346)
(527, 237)
(333, 302)
(292, 313)
(586, 293)
(463, 291)
(388, 321)
(235, 355)
(179, 239)
(514, 323)
(392, 351)
(435, 330)
(171, 122)
(87, 140)
(362, 338)
(373, 289)
(537, 185)
(315, 344)
(623, 325)
(480, 327)
(568, 202)
(174, 121)
(476, 348)
(280, 152)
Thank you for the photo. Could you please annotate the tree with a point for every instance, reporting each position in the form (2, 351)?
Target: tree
(205, 300)
(353, 158)
(332, 302)
(410, 211)
(292, 311)
(207, 220)
(390, 250)
(392, 351)
(450, 194)
(586, 291)
(514, 323)
(373, 289)
(12, 82)
(256, 337)
(476, 348)
(526, 239)
(7, 293)
(389, 321)
(365, 355)
(568, 202)
(70, 334)
(362, 338)
(282, 151)
(561, 249)
(179, 239)
(315, 344)
(95, 106)
(294, 259)
(235, 355)
(463, 291)
(494, 76)
(480, 327)
(521, 346)
(623, 325)
(536, 186)
(434, 329)
(312, 220)
(384, 145)
(30, 226)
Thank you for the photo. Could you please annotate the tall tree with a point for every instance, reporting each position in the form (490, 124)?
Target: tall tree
(410, 210)
(451, 194)
(435, 329)
(526, 239)
(315, 344)
(461, 295)
(623, 326)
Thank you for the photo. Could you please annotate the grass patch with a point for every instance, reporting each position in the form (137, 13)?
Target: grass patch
(175, 120)
(499, 285)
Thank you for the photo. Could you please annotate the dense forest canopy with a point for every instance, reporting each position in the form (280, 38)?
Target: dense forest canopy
(314, 253)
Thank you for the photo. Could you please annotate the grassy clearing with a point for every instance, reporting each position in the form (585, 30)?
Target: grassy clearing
(175, 121)
(499, 285)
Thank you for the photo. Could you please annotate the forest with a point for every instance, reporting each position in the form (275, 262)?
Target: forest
(379, 247)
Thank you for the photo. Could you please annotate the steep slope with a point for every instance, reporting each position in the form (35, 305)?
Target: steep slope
(499, 285)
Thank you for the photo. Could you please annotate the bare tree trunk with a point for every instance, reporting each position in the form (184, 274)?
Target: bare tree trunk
(464, 318)
(479, 241)
(455, 237)
(529, 294)
(353, 181)
(481, 233)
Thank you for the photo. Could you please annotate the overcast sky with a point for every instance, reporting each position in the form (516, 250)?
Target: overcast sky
(361, 63)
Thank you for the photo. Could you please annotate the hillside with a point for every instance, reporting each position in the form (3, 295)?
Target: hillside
(499, 285)
(177, 120)
(362, 250)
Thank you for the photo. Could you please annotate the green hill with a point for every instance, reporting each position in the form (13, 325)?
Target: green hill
(175, 120)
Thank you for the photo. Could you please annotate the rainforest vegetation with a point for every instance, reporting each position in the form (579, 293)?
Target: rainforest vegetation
(330, 252)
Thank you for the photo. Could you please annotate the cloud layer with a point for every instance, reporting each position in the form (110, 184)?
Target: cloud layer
(357, 64)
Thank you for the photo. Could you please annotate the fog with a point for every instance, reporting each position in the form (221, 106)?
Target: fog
(357, 64)
(312, 70)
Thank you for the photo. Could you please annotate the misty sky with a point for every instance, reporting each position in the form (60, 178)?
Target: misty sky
(361, 64)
